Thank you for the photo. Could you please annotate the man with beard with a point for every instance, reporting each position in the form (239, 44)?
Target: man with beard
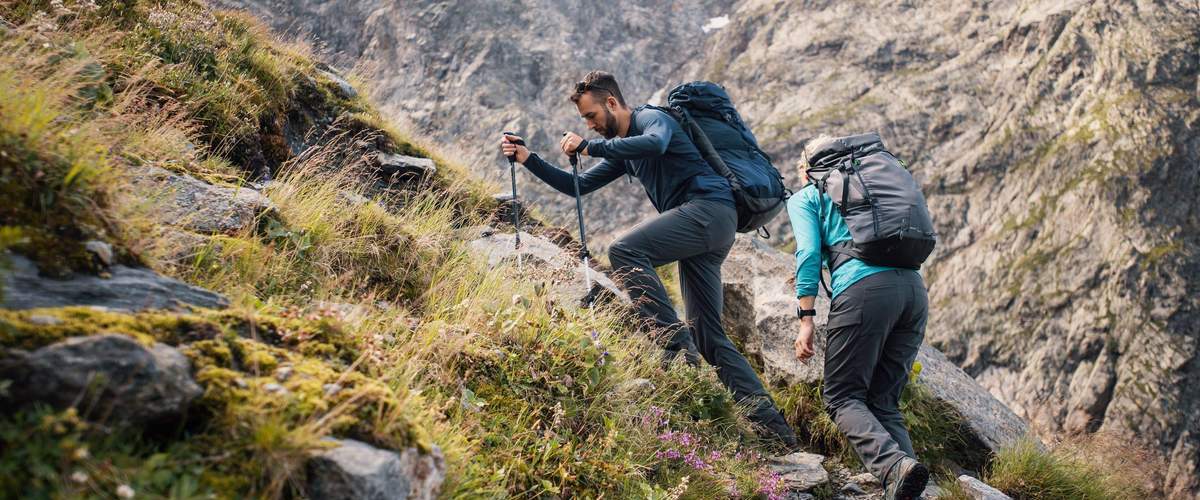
(695, 227)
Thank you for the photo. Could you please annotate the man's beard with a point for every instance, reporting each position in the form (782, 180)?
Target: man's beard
(610, 125)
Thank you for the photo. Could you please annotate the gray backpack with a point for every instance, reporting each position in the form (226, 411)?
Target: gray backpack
(881, 202)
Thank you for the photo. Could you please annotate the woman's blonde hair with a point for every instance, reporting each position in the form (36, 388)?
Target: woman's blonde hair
(810, 148)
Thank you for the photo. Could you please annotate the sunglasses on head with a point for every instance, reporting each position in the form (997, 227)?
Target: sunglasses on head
(581, 87)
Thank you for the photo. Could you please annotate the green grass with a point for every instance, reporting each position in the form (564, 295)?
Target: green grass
(527, 398)
(1068, 472)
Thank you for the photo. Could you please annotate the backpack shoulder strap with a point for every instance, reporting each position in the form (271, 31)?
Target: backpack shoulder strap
(707, 151)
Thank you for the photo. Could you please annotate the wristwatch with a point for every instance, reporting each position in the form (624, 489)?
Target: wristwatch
(800, 313)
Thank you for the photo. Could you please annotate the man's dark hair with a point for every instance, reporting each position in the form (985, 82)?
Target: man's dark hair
(600, 84)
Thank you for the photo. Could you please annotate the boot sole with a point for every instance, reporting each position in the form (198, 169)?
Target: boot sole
(914, 483)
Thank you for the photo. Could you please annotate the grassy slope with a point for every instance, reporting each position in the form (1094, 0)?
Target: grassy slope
(395, 335)
(425, 344)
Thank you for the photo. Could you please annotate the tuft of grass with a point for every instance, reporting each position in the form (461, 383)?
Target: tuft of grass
(951, 489)
(1101, 468)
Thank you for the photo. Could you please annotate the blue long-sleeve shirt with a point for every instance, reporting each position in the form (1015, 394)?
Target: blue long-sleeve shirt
(656, 151)
(817, 224)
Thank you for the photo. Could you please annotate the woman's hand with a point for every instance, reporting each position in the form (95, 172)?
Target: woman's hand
(804, 340)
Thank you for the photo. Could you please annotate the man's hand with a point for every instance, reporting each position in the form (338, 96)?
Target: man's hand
(508, 146)
(804, 340)
(570, 142)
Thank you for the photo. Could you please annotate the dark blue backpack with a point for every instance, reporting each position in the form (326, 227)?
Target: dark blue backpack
(707, 114)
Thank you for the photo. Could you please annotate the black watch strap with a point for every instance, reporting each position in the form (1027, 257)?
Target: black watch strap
(800, 313)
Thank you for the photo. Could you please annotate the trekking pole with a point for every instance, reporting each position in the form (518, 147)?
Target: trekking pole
(516, 207)
(583, 252)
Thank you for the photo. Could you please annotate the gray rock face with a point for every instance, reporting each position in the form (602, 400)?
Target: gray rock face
(113, 378)
(126, 288)
(761, 312)
(466, 71)
(978, 490)
(800, 471)
(194, 205)
(540, 259)
(356, 470)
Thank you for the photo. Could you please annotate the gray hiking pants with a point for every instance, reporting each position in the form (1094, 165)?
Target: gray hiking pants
(697, 234)
(875, 329)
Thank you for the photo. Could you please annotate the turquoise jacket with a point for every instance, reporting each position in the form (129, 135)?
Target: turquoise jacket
(816, 223)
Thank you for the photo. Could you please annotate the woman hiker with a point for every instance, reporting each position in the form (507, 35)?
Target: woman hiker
(876, 324)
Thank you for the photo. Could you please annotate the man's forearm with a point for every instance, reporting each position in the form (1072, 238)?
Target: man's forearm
(551, 175)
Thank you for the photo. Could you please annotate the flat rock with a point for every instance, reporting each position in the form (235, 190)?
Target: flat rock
(402, 165)
(978, 490)
(126, 288)
(539, 258)
(356, 470)
(192, 204)
(801, 471)
(111, 377)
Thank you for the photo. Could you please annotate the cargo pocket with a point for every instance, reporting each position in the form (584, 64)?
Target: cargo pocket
(844, 319)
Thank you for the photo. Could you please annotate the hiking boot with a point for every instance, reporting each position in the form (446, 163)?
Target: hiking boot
(906, 481)
(774, 427)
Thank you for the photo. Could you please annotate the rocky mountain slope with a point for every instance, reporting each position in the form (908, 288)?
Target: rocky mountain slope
(1057, 142)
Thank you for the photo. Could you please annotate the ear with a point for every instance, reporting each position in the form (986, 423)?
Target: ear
(612, 103)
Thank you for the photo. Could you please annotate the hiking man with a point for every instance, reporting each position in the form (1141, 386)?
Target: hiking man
(876, 323)
(695, 227)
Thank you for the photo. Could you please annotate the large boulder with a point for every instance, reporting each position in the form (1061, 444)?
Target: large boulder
(356, 470)
(112, 377)
(539, 258)
(125, 288)
(760, 312)
(188, 203)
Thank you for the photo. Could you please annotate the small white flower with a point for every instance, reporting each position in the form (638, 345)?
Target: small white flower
(124, 491)
(79, 477)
